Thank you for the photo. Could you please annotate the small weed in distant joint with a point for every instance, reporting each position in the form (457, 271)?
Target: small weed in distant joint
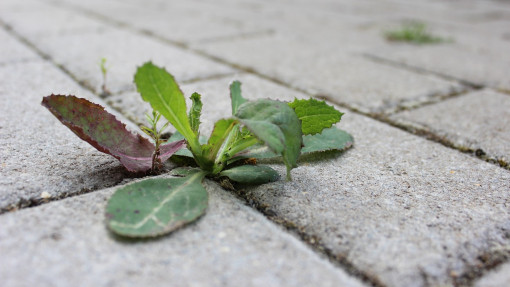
(104, 72)
(413, 32)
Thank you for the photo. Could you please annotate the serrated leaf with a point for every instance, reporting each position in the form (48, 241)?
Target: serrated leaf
(156, 206)
(251, 174)
(315, 115)
(103, 131)
(329, 140)
(277, 125)
(194, 112)
(159, 88)
(235, 96)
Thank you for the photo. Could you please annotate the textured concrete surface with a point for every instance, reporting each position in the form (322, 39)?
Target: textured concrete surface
(11, 51)
(40, 158)
(65, 243)
(478, 121)
(124, 52)
(396, 210)
(496, 278)
(316, 68)
(406, 211)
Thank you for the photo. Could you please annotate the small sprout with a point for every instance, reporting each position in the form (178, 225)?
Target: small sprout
(156, 135)
(104, 71)
(413, 32)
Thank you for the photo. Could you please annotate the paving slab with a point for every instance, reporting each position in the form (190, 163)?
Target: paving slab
(496, 278)
(477, 121)
(177, 21)
(343, 77)
(12, 51)
(66, 243)
(47, 20)
(477, 65)
(40, 158)
(124, 51)
(406, 211)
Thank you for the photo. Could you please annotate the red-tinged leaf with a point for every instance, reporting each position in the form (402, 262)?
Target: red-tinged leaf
(103, 131)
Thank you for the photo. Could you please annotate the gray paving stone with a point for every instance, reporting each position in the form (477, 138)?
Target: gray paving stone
(177, 21)
(65, 243)
(496, 278)
(485, 66)
(124, 51)
(47, 20)
(406, 211)
(320, 68)
(12, 51)
(478, 120)
(38, 154)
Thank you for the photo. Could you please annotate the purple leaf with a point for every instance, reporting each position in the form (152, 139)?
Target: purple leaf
(103, 131)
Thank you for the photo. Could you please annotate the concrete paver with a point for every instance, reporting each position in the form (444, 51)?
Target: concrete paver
(11, 51)
(65, 243)
(403, 210)
(496, 278)
(37, 153)
(48, 20)
(343, 77)
(479, 121)
(124, 51)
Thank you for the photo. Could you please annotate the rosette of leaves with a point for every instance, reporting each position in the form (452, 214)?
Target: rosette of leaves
(257, 129)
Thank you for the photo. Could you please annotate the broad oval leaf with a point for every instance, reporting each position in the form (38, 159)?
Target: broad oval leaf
(251, 174)
(330, 139)
(277, 125)
(103, 131)
(315, 115)
(159, 88)
(156, 206)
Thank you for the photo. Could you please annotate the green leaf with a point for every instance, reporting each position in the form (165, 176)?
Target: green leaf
(329, 140)
(315, 115)
(221, 130)
(159, 88)
(251, 174)
(93, 124)
(194, 112)
(156, 206)
(277, 125)
(235, 96)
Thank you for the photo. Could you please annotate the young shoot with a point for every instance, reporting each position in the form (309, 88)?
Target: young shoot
(155, 134)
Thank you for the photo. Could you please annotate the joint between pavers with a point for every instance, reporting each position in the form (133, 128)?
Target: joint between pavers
(397, 64)
(426, 133)
(313, 241)
(485, 262)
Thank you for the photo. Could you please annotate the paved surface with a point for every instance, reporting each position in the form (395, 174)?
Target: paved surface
(422, 199)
